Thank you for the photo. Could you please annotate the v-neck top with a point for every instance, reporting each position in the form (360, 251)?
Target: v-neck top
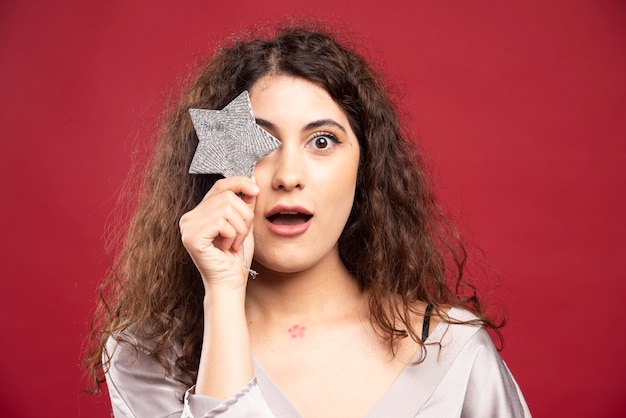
(462, 375)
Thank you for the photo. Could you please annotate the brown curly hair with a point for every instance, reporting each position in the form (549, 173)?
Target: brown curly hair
(397, 242)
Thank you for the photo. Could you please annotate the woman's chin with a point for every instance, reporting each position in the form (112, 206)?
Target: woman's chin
(275, 268)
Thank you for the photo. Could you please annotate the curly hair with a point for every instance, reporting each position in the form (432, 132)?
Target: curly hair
(397, 242)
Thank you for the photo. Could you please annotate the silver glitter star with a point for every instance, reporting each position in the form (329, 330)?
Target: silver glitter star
(230, 141)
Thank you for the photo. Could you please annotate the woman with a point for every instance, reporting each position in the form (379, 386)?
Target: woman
(358, 308)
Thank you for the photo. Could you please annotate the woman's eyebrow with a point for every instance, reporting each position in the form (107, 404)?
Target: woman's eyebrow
(265, 124)
(309, 127)
(323, 122)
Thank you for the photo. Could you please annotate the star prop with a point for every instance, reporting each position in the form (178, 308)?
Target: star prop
(230, 141)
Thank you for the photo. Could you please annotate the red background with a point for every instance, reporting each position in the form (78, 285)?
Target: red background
(521, 106)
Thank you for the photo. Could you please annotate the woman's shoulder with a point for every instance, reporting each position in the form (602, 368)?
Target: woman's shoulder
(134, 375)
(457, 325)
(127, 348)
(139, 384)
(458, 314)
(445, 316)
(468, 371)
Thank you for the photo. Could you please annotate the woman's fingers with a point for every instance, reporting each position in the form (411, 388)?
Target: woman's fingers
(243, 186)
(214, 231)
(234, 198)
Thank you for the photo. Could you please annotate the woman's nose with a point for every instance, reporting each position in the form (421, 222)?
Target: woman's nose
(289, 169)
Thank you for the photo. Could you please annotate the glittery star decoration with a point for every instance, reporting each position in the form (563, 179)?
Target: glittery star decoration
(230, 141)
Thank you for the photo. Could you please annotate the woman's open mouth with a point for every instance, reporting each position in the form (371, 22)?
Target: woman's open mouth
(289, 218)
(288, 221)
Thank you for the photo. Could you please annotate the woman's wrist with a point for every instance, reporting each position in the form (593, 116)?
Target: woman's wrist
(218, 293)
(231, 284)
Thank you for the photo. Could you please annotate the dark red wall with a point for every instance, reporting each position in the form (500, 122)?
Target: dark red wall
(521, 105)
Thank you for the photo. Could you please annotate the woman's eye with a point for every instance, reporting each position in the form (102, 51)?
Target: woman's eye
(323, 141)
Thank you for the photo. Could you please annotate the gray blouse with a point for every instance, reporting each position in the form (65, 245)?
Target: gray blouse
(462, 376)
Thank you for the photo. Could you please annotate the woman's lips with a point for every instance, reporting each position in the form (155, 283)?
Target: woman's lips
(288, 220)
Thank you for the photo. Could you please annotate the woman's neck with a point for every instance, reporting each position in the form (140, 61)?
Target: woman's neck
(317, 294)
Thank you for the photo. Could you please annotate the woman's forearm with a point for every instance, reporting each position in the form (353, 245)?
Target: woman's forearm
(226, 359)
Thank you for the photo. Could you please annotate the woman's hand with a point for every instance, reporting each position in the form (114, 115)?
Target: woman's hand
(218, 233)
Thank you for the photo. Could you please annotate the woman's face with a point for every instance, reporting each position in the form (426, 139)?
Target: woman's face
(308, 184)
